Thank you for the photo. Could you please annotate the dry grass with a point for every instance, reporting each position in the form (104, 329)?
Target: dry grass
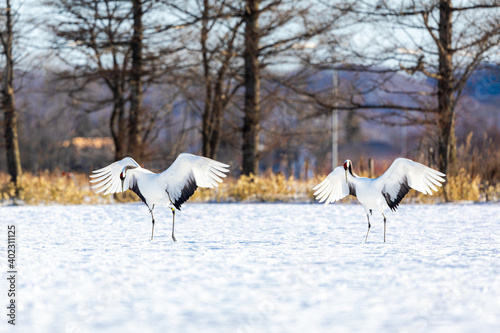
(477, 180)
(55, 188)
(274, 188)
(46, 188)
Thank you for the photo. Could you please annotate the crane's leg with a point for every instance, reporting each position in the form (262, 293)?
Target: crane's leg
(153, 221)
(173, 223)
(385, 222)
(369, 226)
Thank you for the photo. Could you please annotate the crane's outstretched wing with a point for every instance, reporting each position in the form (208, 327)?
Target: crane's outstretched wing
(334, 187)
(108, 178)
(187, 173)
(404, 174)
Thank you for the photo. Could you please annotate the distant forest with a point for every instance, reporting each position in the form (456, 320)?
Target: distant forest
(250, 83)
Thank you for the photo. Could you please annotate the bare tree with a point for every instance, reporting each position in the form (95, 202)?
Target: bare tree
(431, 40)
(92, 41)
(107, 42)
(218, 72)
(136, 92)
(8, 103)
(238, 41)
(214, 72)
(251, 122)
(274, 31)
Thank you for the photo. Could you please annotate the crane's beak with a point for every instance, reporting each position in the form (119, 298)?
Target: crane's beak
(123, 180)
(346, 176)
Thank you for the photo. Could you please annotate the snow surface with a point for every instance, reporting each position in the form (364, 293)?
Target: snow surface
(255, 268)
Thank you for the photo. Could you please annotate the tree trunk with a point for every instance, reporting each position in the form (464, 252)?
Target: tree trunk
(8, 104)
(212, 122)
(445, 113)
(207, 128)
(11, 140)
(217, 120)
(135, 140)
(118, 125)
(215, 98)
(251, 123)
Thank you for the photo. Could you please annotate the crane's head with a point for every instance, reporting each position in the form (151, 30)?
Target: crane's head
(347, 168)
(122, 176)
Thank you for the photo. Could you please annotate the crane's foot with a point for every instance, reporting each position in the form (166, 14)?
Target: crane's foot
(173, 224)
(369, 226)
(152, 221)
(385, 223)
(152, 230)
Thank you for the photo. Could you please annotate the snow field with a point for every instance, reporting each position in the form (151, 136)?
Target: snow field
(255, 268)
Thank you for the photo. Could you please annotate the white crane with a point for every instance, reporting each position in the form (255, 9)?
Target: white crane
(380, 193)
(173, 186)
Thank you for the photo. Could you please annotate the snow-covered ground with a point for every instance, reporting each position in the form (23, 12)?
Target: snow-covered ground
(255, 268)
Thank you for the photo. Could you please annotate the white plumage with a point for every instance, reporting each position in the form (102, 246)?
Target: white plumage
(174, 185)
(380, 193)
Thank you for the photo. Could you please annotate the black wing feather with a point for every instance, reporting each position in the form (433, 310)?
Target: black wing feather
(186, 193)
(403, 190)
(135, 188)
(352, 189)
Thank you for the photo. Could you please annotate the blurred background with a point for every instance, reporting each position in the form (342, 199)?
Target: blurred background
(270, 86)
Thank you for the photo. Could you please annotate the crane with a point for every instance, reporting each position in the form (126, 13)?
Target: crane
(380, 193)
(173, 186)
